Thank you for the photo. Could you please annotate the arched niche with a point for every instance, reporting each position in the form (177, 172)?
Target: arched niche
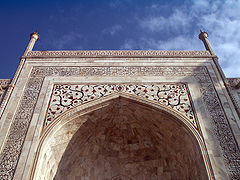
(120, 137)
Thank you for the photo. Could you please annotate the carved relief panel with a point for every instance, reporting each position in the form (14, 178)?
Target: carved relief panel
(66, 96)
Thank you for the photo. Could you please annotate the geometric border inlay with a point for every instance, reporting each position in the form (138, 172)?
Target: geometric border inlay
(124, 53)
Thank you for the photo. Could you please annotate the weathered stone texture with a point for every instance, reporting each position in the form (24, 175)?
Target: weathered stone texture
(234, 88)
(127, 140)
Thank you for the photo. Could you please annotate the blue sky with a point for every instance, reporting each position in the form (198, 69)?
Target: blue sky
(120, 24)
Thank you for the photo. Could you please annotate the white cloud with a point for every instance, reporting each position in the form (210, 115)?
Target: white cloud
(223, 24)
(176, 21)
(221, 19)
(175, 43)
(180, 42)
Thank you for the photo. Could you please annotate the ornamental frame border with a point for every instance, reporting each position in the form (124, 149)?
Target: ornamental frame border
(117, 53)
(13, 145)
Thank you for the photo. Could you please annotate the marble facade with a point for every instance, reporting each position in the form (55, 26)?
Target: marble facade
(119, 115)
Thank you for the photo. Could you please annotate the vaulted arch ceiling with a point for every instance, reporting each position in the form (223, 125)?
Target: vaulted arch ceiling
(124, 139)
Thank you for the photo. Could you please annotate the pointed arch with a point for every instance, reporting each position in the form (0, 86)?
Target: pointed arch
(69, 117)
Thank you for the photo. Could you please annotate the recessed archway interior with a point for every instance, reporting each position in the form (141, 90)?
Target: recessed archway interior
(124, 140)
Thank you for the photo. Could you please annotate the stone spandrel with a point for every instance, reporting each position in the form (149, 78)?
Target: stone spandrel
(66, 96)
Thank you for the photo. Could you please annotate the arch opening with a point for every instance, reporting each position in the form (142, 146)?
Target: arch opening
(123, 140)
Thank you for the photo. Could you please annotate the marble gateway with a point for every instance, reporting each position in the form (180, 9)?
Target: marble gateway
(114, 115)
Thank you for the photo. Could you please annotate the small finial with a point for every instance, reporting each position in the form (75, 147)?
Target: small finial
(33, 38)
(204, 37)
(35, 35)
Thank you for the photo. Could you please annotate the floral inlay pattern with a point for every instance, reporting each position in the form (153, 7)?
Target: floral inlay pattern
(66, 96)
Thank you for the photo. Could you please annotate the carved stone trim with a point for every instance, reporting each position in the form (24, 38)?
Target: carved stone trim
(66, 96)
(18, 130)
(234, 91)
(4, 82)
(119, 53)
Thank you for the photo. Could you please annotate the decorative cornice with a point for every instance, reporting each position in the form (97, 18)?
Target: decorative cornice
(119, 53)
